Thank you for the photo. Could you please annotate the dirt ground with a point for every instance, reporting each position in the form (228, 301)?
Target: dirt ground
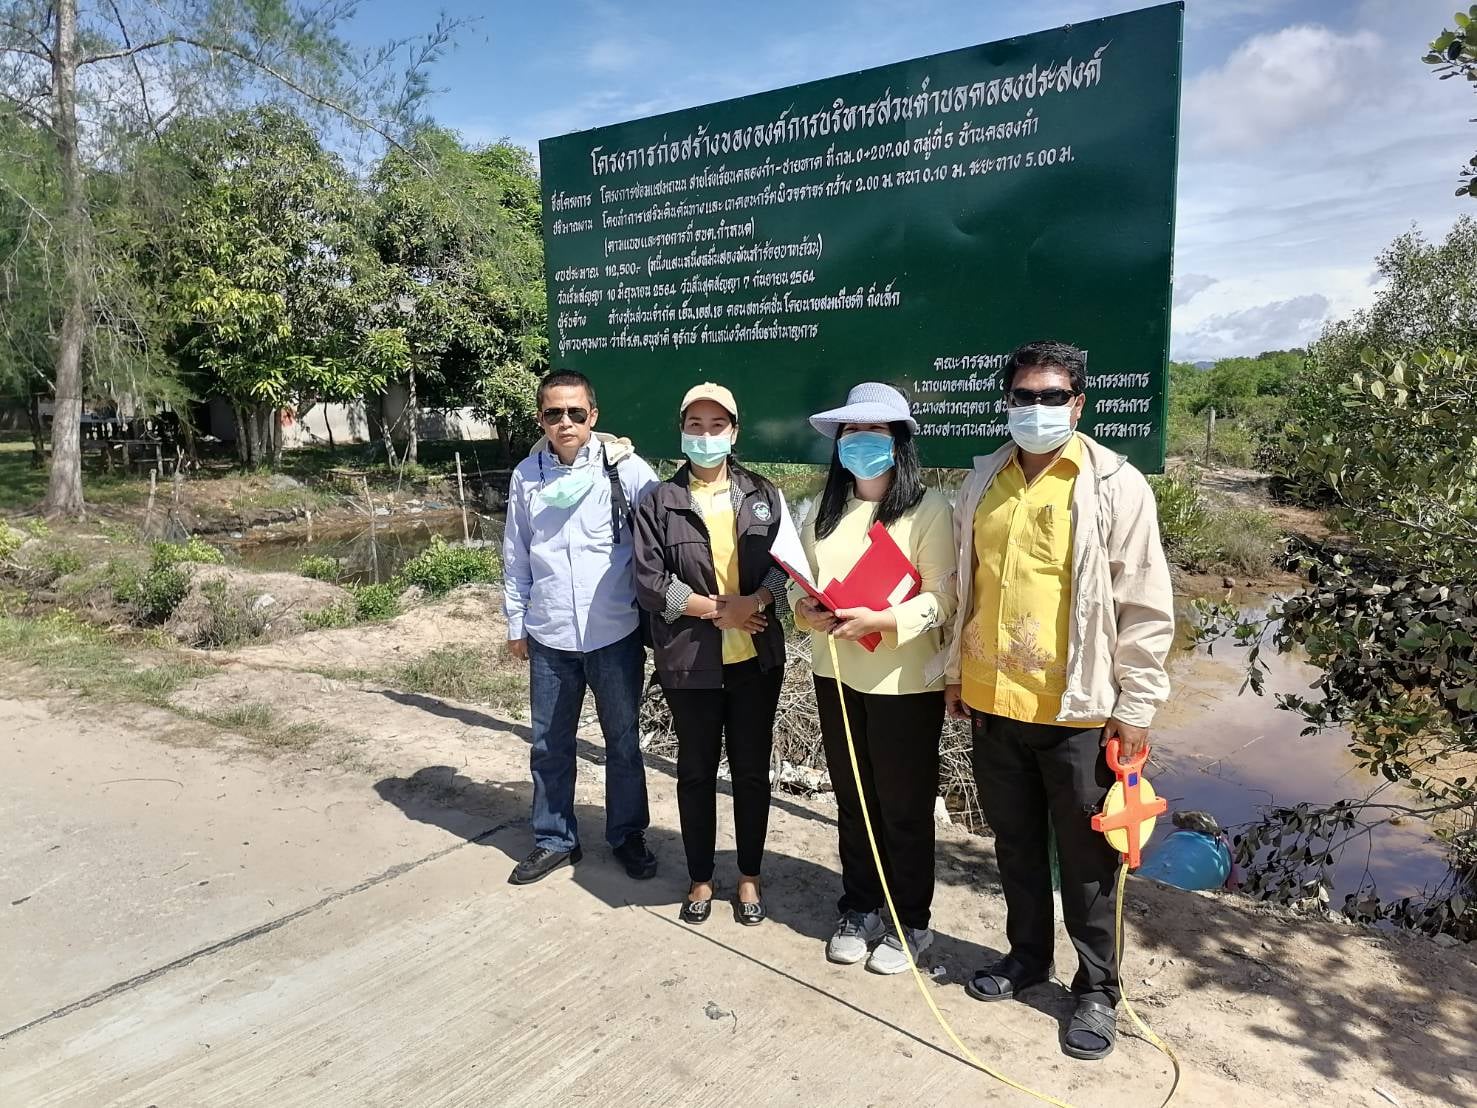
(188, 922)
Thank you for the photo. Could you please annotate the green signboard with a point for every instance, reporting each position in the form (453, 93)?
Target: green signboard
(911, 224)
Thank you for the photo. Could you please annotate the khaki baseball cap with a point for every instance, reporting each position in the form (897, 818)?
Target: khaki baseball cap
(709, 391)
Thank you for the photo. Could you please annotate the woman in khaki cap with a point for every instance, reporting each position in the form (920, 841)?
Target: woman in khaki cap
(703, 567)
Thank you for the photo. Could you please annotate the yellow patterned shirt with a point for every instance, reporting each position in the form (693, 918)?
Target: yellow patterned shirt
(1014, 653)
(715, 501)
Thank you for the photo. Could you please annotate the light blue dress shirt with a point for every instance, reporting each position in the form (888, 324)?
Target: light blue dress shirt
(566, 583)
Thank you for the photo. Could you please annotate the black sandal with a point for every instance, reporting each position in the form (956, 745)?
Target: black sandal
(750, 915)
(1008, 976)
(696, 911)
(1093, 1031)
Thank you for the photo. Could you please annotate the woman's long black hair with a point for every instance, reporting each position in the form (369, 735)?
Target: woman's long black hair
(901, 497)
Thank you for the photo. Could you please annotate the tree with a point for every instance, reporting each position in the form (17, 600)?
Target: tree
(1383, 423)
(1427, 302)
(1454, 54)
(458, 313)
(262, 265)
(93, 79)
(28, 211)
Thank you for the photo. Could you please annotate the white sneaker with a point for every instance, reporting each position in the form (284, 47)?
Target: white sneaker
(888, 957)
(855, 932)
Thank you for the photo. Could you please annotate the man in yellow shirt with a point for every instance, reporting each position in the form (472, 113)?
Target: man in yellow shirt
(1065, 618)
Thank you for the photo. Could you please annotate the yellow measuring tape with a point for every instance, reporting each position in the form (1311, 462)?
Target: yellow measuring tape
(969, 1055)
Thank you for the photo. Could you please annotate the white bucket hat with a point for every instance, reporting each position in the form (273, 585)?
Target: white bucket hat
(869, 402)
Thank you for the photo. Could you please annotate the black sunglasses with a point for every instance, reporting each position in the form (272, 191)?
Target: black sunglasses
(552, 416)
(1052, 398)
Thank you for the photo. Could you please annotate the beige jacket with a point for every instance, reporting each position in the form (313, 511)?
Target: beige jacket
(1122, 623)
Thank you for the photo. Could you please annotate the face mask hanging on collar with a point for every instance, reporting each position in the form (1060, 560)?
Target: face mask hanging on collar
(570, 489)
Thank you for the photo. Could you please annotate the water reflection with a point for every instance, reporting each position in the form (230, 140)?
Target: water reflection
(1234, 754)
(366, 556)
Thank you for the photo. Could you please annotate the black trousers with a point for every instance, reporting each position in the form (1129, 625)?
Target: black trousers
(897, 751)
(740, 715)
(1029, 774)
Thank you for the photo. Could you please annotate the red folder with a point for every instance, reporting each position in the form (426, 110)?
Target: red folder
(882, 577)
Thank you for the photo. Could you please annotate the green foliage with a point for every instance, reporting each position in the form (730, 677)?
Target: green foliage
(331, 618)
(1392, 626)
(1427, 302)
(373, 603)
(263, 266)
(11, 540)
(194, 549)
(441, 567)
(151, 596)
(458, 299)
(321, 567)
(60, 563)
(1184, 517)
(1454, 54)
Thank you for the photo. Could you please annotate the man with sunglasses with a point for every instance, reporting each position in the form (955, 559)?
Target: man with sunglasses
(1064, 621)
(569, 593)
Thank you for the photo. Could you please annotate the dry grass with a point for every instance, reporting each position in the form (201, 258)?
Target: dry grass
(797, 737)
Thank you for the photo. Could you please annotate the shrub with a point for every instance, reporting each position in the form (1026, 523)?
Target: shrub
(151, 596)
(230, 618)
(38, 528)
(1183, 519)
(321, 567)
(330, 618)
(195, 549)
(60, 563)
(10, 540)
(441, 567)
(375, 602)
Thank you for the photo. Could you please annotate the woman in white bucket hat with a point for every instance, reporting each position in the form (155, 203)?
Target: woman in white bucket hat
(895, 695)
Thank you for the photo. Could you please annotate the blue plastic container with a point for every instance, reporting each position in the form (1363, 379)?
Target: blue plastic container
(1188, 860)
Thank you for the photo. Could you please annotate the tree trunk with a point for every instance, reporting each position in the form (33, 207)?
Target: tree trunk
(187, 435)
(261, 436)
(274, 429)
(243, 440)
(412, 418)
(64, 487)
(387, 432)
(38, 435)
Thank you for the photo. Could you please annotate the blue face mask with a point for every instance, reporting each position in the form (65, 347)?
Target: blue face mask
(866, 454)
(706, 450)
(569, 490)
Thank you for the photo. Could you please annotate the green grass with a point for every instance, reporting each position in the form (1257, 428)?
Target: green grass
(1204, 535)
(21, 485)
(85, 659)
(1241, 540)
(260, 725)
(465, 673)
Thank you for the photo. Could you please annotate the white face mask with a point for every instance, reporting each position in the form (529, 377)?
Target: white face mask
(1040, 429)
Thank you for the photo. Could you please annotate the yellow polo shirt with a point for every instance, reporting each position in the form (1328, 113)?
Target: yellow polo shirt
(715, 501)
(1014, 653)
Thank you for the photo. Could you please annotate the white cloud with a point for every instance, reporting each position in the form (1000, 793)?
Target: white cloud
(1278, 325)
(616, 52)
(1190, 285)
(1277, 83)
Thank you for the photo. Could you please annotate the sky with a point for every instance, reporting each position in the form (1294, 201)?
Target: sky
(1311, 132)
